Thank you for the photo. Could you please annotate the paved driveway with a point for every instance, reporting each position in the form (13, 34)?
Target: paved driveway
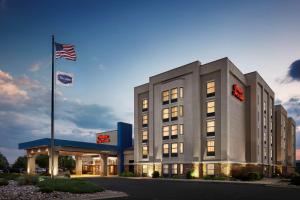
(164, 189)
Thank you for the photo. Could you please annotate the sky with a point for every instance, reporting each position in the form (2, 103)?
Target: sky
(119, 45)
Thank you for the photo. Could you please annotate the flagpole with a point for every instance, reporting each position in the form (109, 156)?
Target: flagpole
(52, 112)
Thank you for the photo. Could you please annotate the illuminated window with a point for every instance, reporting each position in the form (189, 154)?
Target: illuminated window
(174, 169)
(210, 89)
(165, 131)
(210, 169)
(180, 111)
(181, 169)
(165, 169)
(145, 151)
(210, 108)
(145, 120)
(165, 150)
(181, 147)
(165, 97)
(174, 149)
(174, 131)
(210, 127)
(145, 169)
(210, 147)
(181, 129)
(174, 95)
(145, 136)
(174, 113)
(165, 113)
(181, 92)
(145, 105)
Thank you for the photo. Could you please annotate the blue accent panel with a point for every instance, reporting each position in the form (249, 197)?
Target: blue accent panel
(67, 143)
(124, 141)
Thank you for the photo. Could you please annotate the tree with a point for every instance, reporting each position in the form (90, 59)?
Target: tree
(66, 162)
(20, 163)
(3, 162)
(42, 161)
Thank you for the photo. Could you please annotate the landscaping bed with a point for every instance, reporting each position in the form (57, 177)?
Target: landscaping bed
(33, 187)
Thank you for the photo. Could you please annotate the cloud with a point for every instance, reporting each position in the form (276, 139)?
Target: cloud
(10, 91)
(294, 71)
(35, 67)
(25, 114)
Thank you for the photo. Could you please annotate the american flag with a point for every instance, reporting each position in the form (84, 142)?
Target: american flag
(66, 51)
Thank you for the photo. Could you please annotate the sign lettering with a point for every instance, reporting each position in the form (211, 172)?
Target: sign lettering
(103, 139)
(238, 92)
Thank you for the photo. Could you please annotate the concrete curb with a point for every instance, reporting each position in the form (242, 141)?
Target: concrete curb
(107, 194)
(264, 183)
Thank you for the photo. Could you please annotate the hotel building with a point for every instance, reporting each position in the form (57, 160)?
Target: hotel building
(210, 118)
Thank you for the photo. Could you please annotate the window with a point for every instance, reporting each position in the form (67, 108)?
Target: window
(180, 168)
(181, 92)
(165, 150)
(145, 105)
(174, 169)
(165, 113)
(210, 109)
(265, 122)
(165, 97)
(165, 169)
(174, 95)
(165, 131)
(210, 89)
(174, 113)
(145, 151)
(210, 127)
(174, 131)
(210, 147)
(145, 120)
(145, 169)
(265, 107)
(145, 136)
(210, 169)
(181, 147)
(181, 129)
(180, 111)
(174, 150)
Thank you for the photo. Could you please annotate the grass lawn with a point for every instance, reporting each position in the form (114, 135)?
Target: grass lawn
(68, 185)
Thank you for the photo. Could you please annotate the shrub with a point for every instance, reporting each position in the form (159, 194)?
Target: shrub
(212, 177)
(295, 180)
(155, 174)
(189, 174)
(28, 180)
(127, 174)
(3, 182)
(245, 174)
(68, 185)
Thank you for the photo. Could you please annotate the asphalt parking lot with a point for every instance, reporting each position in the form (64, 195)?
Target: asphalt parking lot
(164, 189)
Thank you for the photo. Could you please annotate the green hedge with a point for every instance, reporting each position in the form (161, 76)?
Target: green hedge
(10, 176)
(68, 185)
(28, 180)
(127, 174)
(3, 182)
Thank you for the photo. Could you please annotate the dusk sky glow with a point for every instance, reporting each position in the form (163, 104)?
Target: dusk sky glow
(119, 45)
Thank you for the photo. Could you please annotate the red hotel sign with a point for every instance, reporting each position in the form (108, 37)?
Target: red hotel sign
(103, 139)
(238, 92)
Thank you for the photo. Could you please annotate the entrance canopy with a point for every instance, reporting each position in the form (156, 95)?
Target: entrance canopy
(68, 145)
